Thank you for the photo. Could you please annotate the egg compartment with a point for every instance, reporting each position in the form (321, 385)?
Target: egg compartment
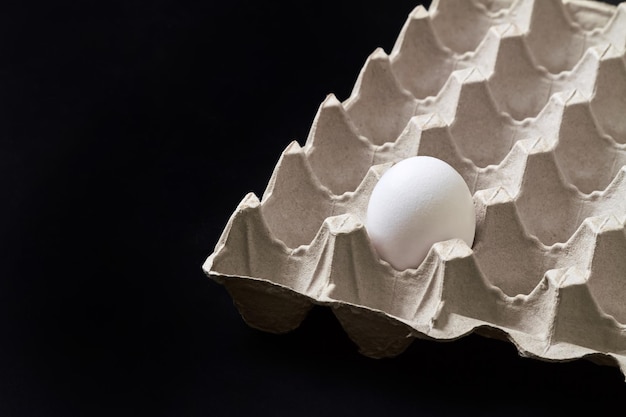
(547, 267)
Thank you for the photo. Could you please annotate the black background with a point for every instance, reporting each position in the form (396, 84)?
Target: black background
(129, 132)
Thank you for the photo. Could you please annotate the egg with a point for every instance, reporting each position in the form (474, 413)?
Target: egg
(417, 202)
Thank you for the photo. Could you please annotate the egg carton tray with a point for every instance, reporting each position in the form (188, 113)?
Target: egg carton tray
(526, 100)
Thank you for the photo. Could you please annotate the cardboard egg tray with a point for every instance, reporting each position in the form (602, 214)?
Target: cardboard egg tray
(526, 99)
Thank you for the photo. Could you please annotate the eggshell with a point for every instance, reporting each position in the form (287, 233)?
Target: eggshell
(419, 201)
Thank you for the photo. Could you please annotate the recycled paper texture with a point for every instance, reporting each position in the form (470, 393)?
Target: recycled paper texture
(528, 104)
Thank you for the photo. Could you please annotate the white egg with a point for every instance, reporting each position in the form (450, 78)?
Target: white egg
(417, 202)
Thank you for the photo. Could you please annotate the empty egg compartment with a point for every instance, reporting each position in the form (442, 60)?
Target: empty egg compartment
(609, 100)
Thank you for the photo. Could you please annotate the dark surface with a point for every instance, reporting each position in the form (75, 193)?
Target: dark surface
(129, 133)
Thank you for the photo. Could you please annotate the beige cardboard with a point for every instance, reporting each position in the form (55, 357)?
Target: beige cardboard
(528, 104)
